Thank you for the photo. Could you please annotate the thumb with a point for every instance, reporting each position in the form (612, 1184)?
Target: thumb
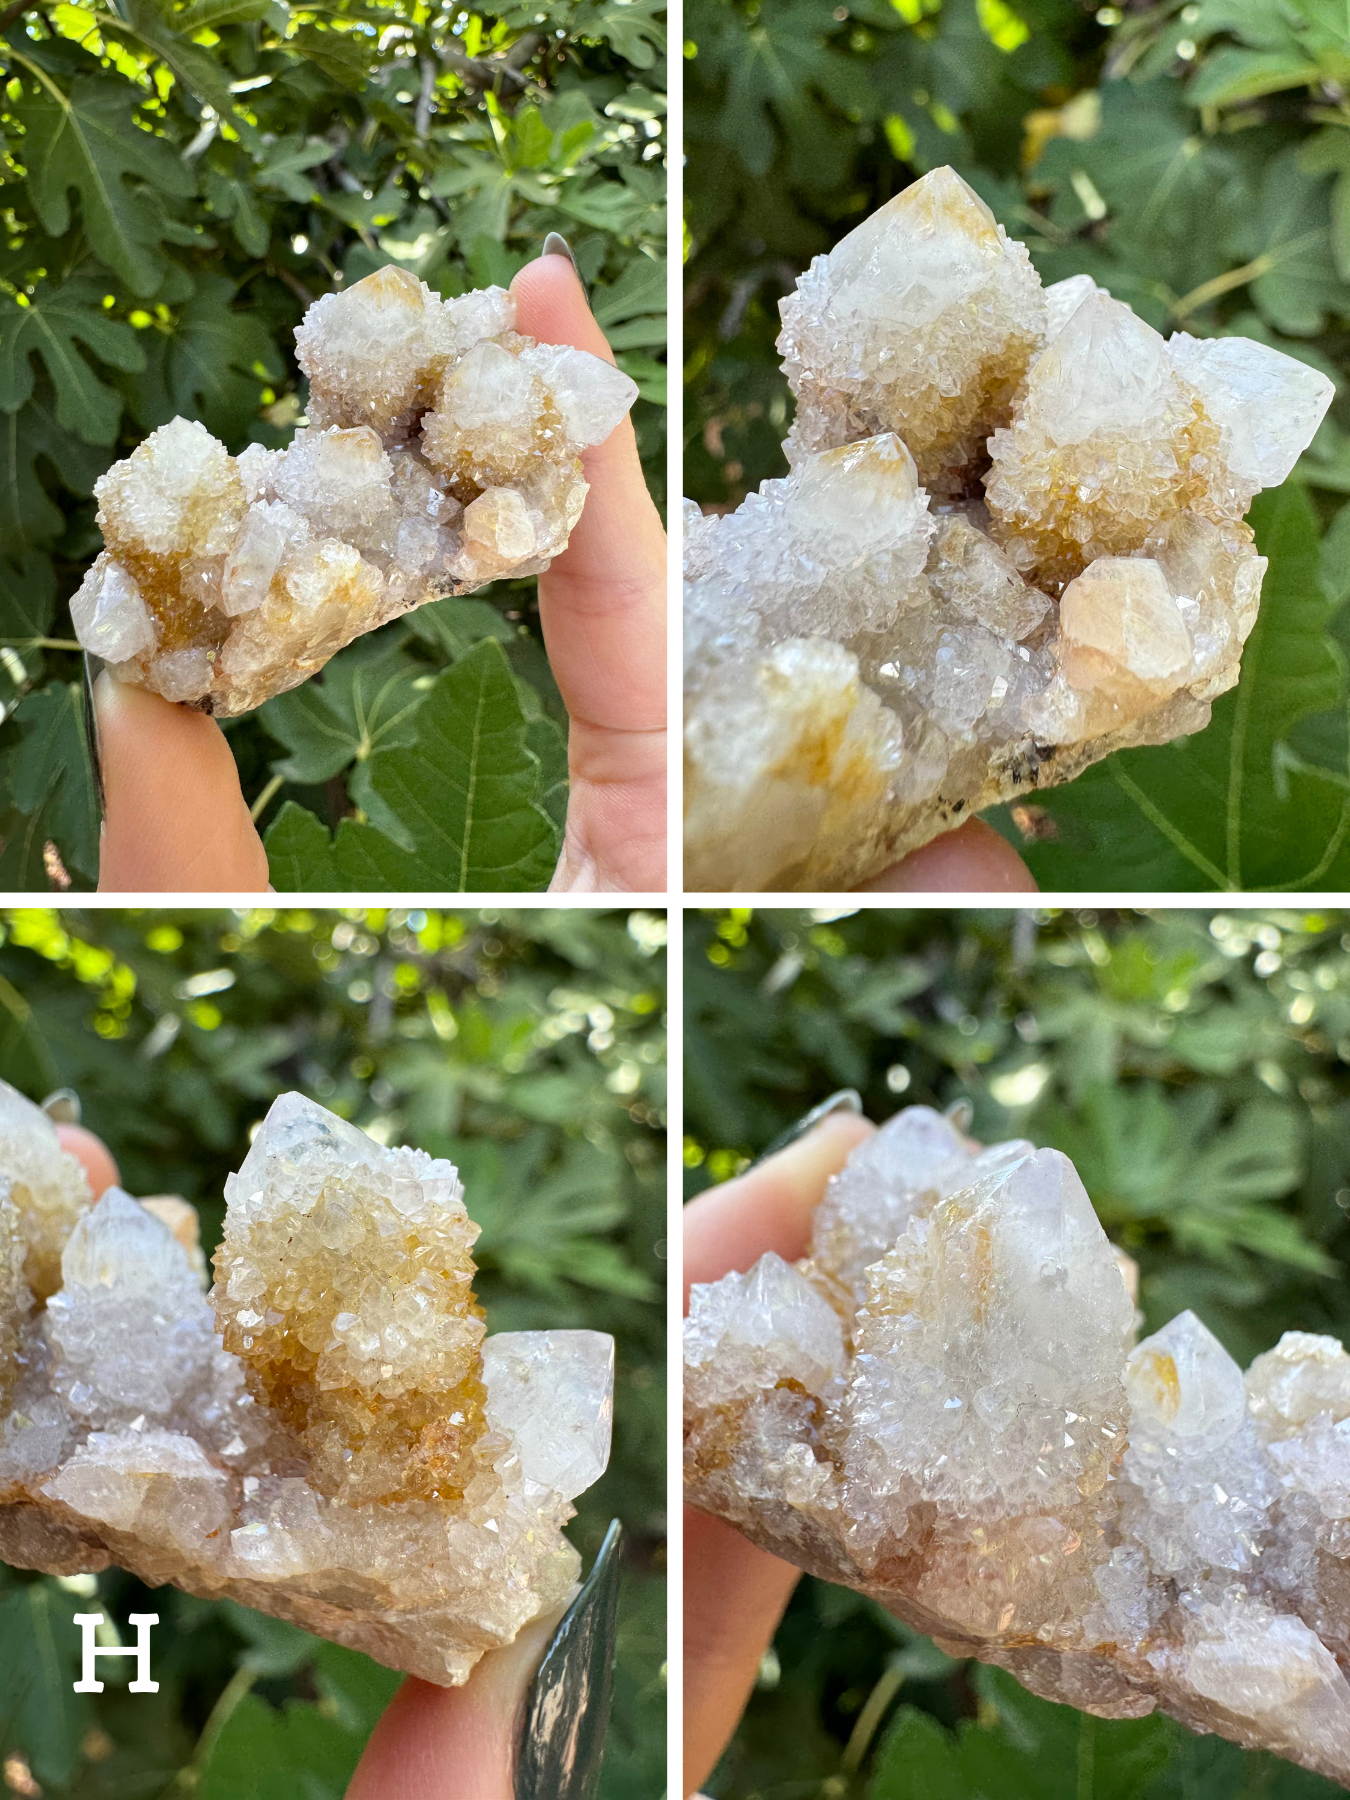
(531, 1722)
(176, 819)
(435, 1743)
(973, 859)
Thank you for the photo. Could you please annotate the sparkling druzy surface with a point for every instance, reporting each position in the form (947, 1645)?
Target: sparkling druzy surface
(943, 1406)
(329, 1435)
(1011, 541)
(442, 452)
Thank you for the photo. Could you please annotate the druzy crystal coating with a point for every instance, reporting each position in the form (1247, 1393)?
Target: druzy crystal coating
(943, 1405)
(442, 451)
(1011, 541)
(329, 1435)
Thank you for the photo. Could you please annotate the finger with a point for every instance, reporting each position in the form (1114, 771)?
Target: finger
(769, 1207)
(734, 1596)
(602, 606)
(974, 859)
(93, 1156)
(435, 1743)
(734, 1592)
(176, 818)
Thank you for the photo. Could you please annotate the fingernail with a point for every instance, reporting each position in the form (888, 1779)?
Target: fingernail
(555, 244)
(63, 1107)
(93, 668)
(566, 1712)
(846, 1100)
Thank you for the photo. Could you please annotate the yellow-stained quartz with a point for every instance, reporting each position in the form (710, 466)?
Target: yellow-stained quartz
(442, 450)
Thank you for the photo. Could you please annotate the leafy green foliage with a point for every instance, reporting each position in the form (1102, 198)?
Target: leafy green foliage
(1195, 162)
(529, 1048)
(1196, 1066)
(179, 183)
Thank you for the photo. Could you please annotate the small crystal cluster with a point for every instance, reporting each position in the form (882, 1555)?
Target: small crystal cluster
(943, 1406)
(329, 1435)
(442, 452)
(1011, 541)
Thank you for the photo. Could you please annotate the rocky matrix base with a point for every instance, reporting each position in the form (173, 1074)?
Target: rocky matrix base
(336, 1443)
(442, 452)
(942, 1406)
(1011, 541)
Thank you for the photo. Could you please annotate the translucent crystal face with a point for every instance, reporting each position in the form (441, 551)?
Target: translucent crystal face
(47, 1187)
(328, 1437)
(1069, 574)
(442, 451)
(940, 1406)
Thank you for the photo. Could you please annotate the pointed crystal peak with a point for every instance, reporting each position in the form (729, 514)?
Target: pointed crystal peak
(553, 1391)
(302, 1131)
(18, 1113)
(1063, 299)
(939, 203)
(1183, 1381)
(1106, 369)
(119, 1244)
(1268, 404)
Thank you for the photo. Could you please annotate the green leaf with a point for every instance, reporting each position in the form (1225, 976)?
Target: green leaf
(234, 199)
(27, 603)
(49, 327)
(1232, 74)
(468, 788)
(49, 771)
(1022, 1748)
(195, 67)
(33, 445)
(1224, 809)
(631, 27)
(40, 1652)
(363, 701)
(455, 625)
(87, 143)
(202, 364)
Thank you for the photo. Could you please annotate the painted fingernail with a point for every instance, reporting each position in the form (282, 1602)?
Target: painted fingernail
(93, 668)
(63, 1107)
(566, 1712)
(555, 244)
(846, 1100)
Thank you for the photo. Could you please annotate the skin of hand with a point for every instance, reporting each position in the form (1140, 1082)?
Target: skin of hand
(973, 859)
(176, 818)
(734, 1594)
(432, 1743)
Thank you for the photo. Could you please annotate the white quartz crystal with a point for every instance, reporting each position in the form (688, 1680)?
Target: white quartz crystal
(442, 451)
(327, 1436)
(941, 1405)
(1019, 512)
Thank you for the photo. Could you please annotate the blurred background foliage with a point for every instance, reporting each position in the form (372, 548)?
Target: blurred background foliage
(529, 1048)
(1194, 159)
(177, 184)
(1195, 1064)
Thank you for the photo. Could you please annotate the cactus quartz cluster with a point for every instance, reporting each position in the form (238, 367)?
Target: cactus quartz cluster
(943, 1405)
(442, 451)
(328, 1436)
(1011, 541)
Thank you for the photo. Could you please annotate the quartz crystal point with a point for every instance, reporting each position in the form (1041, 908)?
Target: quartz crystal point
(1011, 541)
(942, 1406)
(442, 451)
(329, 1435)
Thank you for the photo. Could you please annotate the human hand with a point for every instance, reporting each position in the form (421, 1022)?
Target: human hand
(973, 859)
(734, 1594)
(530, 1722)
(176, 819)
